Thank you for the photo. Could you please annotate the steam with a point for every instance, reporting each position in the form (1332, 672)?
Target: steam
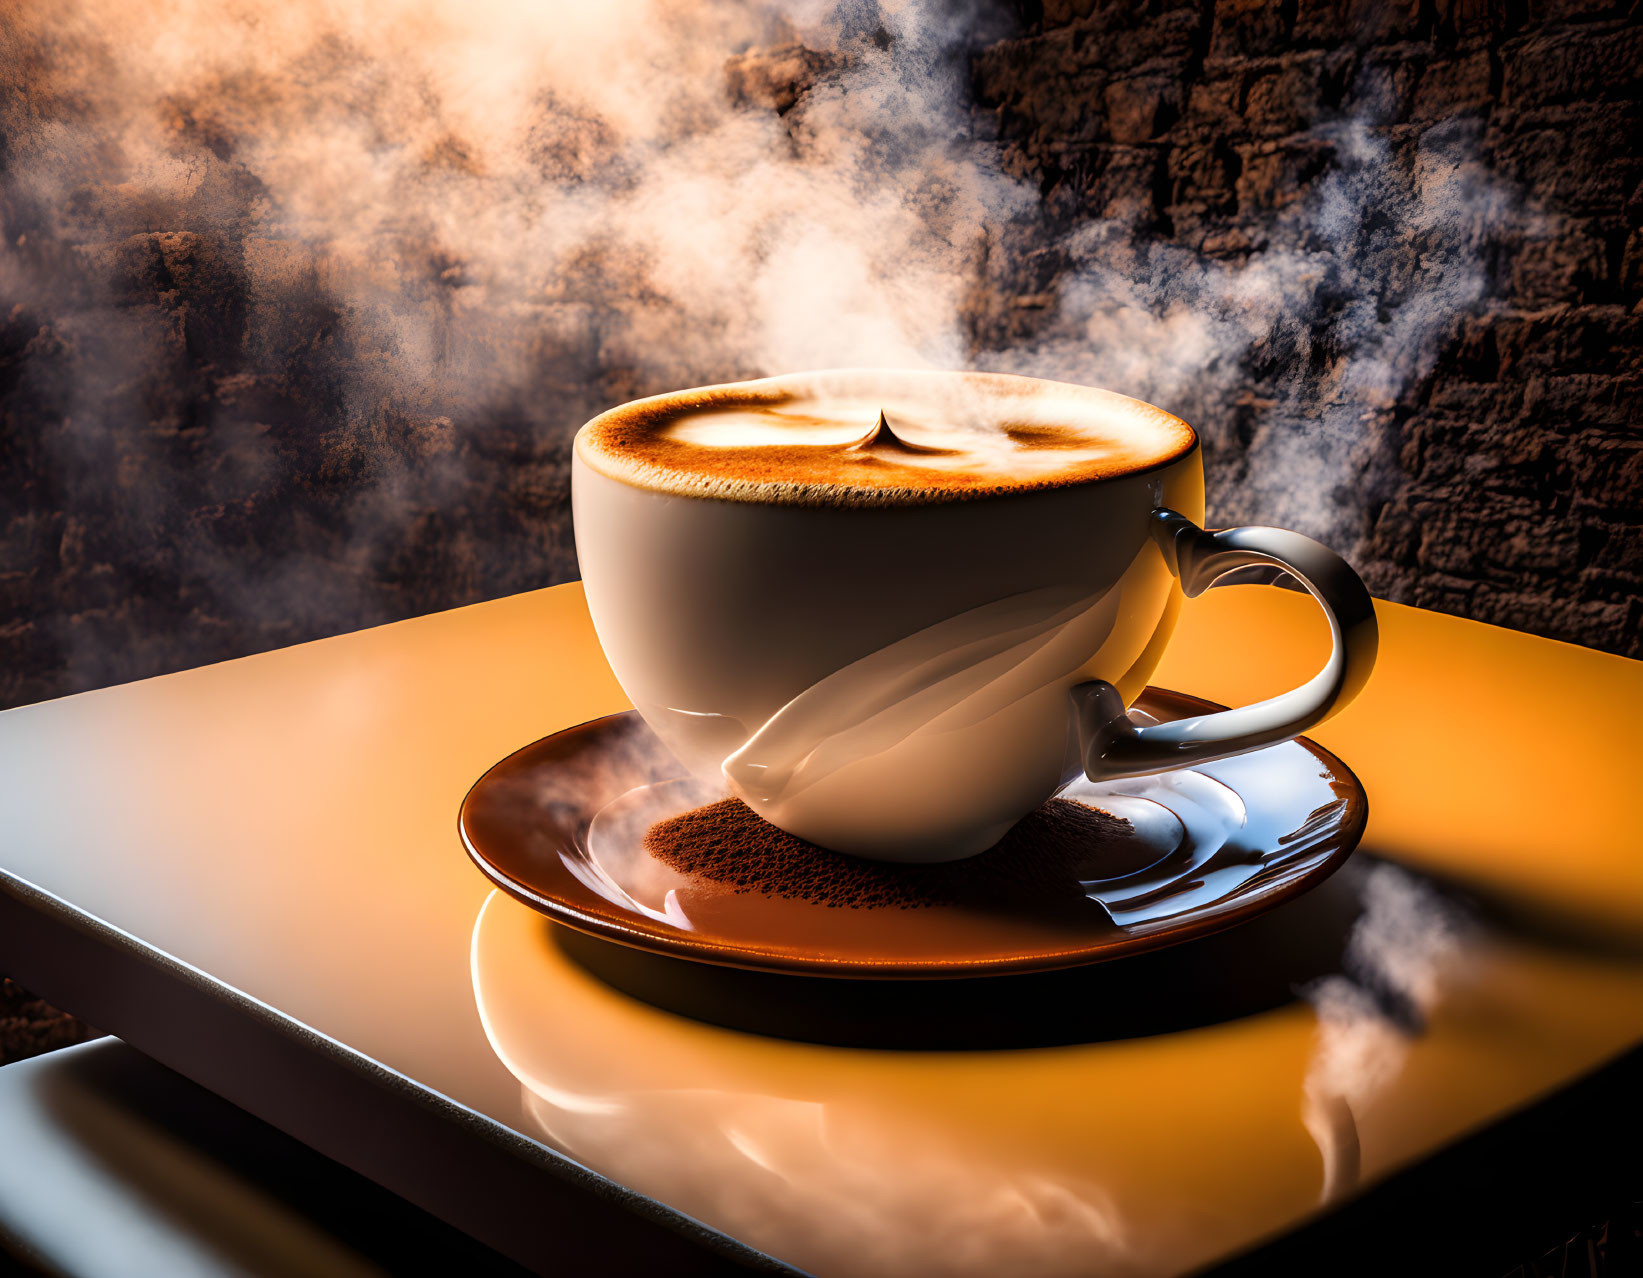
(1294, 355)
(1404, 951)
(385, 254)
(481, 183)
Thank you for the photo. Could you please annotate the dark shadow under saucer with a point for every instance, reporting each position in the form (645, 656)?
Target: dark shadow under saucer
(1223, 977)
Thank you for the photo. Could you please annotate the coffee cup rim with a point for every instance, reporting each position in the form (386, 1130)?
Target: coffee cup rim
(651, 477)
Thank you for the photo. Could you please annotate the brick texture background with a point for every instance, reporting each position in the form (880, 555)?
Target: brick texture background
(191, 469)
(1518, 493)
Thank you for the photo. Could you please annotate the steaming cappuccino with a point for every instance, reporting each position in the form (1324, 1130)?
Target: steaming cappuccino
(894, 612)
(920, 439)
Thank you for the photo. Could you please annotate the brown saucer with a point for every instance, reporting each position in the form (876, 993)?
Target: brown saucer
(560, 825)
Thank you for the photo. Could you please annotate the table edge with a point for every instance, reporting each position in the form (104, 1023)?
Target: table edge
(60, 952)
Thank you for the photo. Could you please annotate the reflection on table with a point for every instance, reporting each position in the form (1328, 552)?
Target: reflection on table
(1149, 1153)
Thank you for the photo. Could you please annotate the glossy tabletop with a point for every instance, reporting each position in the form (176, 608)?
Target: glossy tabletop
(280, 831)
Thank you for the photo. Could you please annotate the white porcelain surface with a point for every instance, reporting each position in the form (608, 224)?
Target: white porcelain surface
(892, 682)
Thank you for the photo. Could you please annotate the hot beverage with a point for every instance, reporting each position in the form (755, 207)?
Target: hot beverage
(894, 612)
(792, 441)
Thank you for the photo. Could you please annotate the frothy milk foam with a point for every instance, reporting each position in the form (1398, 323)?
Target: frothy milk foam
(867, 438)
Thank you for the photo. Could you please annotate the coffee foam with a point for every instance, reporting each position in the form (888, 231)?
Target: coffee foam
(874, 438)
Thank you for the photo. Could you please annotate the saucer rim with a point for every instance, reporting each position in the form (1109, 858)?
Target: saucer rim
(1195, 925)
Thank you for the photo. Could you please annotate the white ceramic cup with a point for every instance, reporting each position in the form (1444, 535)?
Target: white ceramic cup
(906, 682)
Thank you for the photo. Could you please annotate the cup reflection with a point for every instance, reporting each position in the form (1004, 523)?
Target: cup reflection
(1130, 1118)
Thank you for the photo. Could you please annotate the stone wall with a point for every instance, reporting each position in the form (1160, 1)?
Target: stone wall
(197, 464)
(193, 467)
(1516, 493)
(29, 1026)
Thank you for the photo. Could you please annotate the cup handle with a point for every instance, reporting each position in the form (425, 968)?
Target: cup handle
(1114, 745)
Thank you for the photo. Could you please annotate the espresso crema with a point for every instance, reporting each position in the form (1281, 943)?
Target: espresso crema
(870, 438)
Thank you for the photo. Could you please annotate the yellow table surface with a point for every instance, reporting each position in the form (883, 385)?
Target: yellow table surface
(286, 823)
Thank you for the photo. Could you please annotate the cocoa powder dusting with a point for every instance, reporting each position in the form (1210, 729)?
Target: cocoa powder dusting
(1047, 854)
